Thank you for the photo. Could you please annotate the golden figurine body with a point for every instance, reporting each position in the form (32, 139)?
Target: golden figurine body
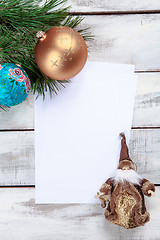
(61, 53)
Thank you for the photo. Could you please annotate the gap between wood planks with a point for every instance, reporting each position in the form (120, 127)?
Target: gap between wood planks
(32, 130)
(33, 186)
(117, 12)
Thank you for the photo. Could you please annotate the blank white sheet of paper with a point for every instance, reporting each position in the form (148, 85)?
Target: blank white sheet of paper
(77, 141)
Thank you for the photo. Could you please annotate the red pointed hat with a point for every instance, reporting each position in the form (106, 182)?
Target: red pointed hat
(124, 155)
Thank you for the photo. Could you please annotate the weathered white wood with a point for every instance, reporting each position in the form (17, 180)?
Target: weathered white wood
(145, 151)
(146, 110)
(17, 156)
(147, 102)
(22, 219)
(20, 116)
(125, 39)
(112, 5)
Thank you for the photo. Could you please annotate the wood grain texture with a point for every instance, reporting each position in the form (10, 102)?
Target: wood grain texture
(144, 150)
(22, 219)
(112, 5)
(147, 102)
(146, 110)
(20, 116)
(17, 156)
(125, 39)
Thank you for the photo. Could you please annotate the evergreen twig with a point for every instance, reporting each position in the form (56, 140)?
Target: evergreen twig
(4, 108)
(20, 20)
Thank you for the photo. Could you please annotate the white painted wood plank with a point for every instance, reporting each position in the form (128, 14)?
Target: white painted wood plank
(145, 152)
(20, 116)
(112, 5)
(147, 102)
(22, 219)
(146, 110)
(17, 156)
(125, 39)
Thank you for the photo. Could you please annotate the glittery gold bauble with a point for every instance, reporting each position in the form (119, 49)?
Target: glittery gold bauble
(60, 53)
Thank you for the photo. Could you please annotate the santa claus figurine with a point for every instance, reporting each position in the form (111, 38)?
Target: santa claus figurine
(125, 192)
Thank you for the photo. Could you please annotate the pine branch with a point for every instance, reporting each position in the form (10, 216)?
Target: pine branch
(4, 108)
(20, 20)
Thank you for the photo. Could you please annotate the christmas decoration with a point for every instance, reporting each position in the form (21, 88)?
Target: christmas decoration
(19, 23)
(61, 52)
(14, 84)
(125, 193)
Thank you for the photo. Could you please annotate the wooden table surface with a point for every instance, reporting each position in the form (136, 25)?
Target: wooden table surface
(125, 31)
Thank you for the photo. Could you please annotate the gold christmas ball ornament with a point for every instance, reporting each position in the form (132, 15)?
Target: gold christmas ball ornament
(61, 52)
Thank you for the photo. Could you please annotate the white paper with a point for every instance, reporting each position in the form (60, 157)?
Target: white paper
(77, 133)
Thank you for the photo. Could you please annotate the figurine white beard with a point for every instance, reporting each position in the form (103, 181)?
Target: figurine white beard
(126, 175)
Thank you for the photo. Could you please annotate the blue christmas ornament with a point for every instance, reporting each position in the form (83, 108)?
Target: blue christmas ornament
(14, 84)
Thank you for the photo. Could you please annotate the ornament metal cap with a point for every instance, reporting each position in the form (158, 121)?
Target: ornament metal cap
(40, 35)
(124, 155)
